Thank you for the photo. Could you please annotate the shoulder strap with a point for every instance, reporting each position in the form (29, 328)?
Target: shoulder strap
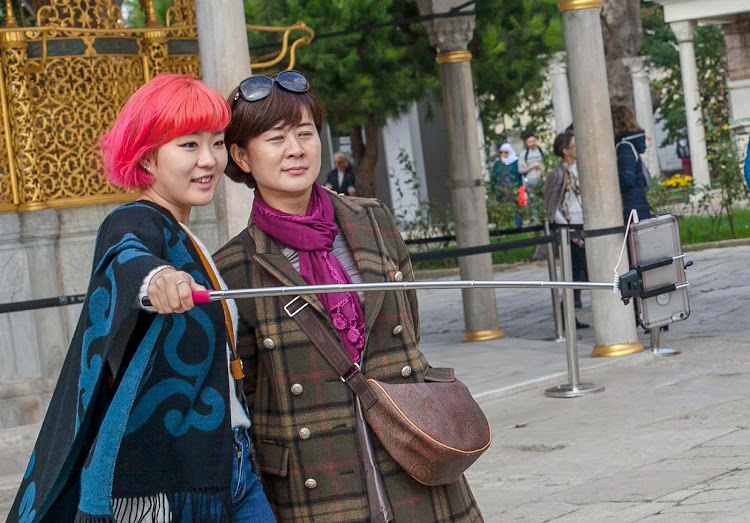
(330, 347)
(236, 363)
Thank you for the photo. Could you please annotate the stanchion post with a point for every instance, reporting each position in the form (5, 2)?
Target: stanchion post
(552, 269)
(573, 388)
(655, 349)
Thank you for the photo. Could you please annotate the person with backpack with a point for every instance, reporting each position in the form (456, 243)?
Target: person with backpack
(630, 143)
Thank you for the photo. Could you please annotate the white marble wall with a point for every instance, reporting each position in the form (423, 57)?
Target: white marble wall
(44, 254)
(407, 189)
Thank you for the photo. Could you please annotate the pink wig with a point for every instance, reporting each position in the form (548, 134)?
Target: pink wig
(167, 106)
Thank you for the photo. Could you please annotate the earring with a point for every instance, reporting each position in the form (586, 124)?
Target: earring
(148, 168)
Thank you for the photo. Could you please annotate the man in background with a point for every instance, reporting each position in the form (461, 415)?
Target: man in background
(531, 161)
(341, 178)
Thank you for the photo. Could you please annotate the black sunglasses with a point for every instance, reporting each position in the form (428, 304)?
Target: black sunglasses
(256, 88)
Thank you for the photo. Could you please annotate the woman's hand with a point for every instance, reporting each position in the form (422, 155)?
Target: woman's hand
(172, 291)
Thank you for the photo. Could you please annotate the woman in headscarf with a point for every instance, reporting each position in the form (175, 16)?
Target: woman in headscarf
(505, 179)
(304, 423)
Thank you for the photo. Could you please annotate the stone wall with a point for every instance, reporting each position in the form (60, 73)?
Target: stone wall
(45, 254)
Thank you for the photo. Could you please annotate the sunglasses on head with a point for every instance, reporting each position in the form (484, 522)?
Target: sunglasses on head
(256, 88)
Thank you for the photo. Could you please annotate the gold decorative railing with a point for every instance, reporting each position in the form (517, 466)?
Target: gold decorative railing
(63, 81)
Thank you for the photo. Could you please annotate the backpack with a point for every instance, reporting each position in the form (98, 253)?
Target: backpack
(638, 159)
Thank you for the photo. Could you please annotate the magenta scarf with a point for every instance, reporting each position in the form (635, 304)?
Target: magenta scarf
(312, 237)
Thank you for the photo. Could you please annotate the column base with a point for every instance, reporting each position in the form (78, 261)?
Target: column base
(491, 334)
(620, 349)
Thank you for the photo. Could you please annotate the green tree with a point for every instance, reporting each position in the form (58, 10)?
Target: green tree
(511, 45)
(362, 65)
(660, 45)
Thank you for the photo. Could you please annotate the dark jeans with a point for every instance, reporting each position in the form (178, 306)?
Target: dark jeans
(578, 258)
(250, 503)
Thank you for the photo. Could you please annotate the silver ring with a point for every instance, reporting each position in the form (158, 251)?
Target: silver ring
(182, 281)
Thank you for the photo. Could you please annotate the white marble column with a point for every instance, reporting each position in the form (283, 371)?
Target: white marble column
(644, 111)
(225, 61)
(451, 36)
(558, 77)
(685, 33)
(614, 323)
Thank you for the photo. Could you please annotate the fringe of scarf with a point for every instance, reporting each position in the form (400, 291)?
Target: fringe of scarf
(198, 506)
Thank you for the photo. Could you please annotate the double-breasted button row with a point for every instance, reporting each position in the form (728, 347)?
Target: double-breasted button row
(297, 389)
(304, 433)
(406, 371)
(311, 483)
(269, 343)
(399, 276)
(398, 329)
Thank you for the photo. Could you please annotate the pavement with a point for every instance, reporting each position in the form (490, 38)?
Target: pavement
(668, 440)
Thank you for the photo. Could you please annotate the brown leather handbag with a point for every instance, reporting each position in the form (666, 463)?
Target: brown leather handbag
(433, 430)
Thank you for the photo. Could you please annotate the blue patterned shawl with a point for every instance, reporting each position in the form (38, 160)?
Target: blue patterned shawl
(140, 414)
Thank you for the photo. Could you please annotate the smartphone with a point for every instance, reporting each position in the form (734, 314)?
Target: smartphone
(651, 240)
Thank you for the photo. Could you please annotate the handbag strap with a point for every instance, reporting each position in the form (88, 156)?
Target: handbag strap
(235, 364)
(330, 347)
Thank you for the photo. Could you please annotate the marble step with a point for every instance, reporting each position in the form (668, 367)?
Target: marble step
(8, 487)
(16, 444)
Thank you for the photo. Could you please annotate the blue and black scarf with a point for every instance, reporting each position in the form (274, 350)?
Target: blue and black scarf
(139, 422)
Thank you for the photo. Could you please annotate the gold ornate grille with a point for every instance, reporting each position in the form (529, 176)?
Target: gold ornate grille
(63, 81)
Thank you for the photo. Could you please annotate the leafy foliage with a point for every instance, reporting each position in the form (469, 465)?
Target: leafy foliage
(512, 41)
(370, 69)
(724, 159)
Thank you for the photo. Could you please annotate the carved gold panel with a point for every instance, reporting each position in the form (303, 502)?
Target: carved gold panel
(63, 81)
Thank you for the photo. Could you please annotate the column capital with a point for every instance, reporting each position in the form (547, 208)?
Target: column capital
(683, 30)
(446, 34)
(637, 65)
(574, 5)
(558, 63)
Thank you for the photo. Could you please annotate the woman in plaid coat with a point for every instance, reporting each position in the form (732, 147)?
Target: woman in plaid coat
(303, 415)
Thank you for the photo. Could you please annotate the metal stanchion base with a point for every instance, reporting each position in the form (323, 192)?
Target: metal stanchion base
(664, 351)
(569, 391)
(655, 349)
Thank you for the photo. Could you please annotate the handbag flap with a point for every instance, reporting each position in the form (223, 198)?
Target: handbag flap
(444, 413)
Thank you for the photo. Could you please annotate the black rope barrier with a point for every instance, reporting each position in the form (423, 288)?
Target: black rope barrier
(42, 303)
(576, 231)
(502, 232)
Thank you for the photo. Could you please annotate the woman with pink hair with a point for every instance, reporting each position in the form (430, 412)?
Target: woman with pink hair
(148, 421)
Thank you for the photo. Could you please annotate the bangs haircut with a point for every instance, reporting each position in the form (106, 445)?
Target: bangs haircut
(281, 108)
(162, 109)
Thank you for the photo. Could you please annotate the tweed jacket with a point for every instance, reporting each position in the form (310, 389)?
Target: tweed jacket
(303, 415)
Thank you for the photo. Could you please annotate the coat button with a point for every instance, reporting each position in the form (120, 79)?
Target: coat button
(311, 483)
(406, 372)
(268, 343)
(304, 433)
(297, 389)
(398, 329)
(398, 276)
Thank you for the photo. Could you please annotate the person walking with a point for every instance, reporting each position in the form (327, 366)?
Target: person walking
(562, 198)
(145, 423)
(630, 143)
(304, 417)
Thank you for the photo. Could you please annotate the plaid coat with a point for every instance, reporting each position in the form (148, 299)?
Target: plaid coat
(303, 415)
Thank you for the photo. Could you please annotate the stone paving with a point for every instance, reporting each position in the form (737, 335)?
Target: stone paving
(667, 441)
